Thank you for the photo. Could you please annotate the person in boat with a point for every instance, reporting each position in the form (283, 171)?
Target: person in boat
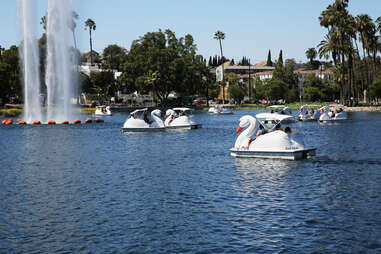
(262, 130)
(287, 130)
(146, 118)
(278, 128)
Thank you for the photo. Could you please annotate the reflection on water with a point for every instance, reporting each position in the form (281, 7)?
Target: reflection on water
(93, 188)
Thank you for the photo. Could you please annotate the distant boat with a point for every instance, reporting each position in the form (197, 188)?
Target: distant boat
(220, 110)
(327, 115)
(103, 111)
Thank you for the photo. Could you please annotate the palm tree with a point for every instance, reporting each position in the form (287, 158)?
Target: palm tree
(44, 22)
(311, 54)
(73, 25)
(329, 46)
(221, 36)
(92, 26)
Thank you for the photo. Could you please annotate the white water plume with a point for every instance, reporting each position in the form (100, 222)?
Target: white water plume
(60, 61)
(29, 55)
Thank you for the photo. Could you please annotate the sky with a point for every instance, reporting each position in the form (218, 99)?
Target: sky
(251, 27)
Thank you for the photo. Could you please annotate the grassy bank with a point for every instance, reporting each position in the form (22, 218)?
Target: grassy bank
(293, 106)
(10, 112)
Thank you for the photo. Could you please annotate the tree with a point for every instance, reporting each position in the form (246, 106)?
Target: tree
(44, 22)
(375, 89)
(221, 36)
(237, 92)
(174, 62)
(280, 59)
(114, 56)
(10, 75)
(311, 54)
(102, 84)
(269, 62)
(90, 24)
(275, 89)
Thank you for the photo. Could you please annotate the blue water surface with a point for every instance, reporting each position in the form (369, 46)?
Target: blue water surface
(91, 188)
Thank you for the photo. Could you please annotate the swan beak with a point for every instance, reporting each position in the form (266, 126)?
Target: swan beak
(238, 129)
(165, 117)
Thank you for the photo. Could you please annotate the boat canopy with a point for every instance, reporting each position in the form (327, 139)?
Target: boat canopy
(139, 111)
(277, 106)
(273, 117)
(183, 110)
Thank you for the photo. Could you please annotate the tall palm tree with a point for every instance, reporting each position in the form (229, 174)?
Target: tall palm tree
(73, 25)
(44, 22)
(92, 26)
(311, 54)
(219, 35)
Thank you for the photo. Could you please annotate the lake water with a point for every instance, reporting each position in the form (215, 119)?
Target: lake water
(94, 189)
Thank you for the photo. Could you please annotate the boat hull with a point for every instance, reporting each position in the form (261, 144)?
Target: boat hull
(185, 127)
(152, 129)
(286, 155)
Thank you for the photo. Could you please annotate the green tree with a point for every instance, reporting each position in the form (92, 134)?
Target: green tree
(90, 24)
(375, 89)
(10, 75)
(114, 56)
(311, 54)
(237, 92)
(280, 58)
(269, 62)
(174, 60)
(275, 89)
(102, 84)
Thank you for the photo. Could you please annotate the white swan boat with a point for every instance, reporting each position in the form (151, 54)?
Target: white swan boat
(103, 111)
(276, 144)
(327, 115)
(220, 110)
(179, 120)
(139, 122)
(306, 114)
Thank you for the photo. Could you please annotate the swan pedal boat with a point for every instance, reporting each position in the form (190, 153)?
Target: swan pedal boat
(220, 110)
(178, 118)
(306, 114)
(273, 145)
(328, 115)
(103, 111)
(139, 122)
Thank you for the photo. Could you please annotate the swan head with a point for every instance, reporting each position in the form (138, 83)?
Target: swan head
(168, 113)
(156, 112)
(245, 121)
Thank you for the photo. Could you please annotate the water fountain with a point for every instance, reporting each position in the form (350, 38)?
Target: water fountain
(29, 54)
(60, 64)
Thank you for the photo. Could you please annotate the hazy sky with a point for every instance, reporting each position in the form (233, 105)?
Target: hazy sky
(252, 27)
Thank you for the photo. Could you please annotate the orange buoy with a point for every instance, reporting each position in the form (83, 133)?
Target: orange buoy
(77, 121)
(3, 121)
(65, 122)
(22, 122)
(36, 122)
(9, 121)
(51, 122)
(98, 120)
(88, 120)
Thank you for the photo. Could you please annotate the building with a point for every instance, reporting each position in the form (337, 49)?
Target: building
(322, 74)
